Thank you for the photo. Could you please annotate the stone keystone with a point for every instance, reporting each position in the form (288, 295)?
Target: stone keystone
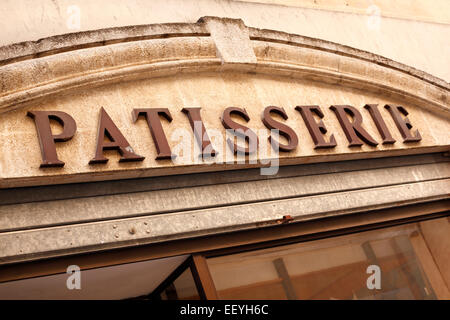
(232, 39)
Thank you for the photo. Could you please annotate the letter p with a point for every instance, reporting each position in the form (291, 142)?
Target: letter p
(47, 139)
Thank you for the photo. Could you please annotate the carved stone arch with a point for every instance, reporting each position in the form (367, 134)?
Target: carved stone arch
(42, 74)
(31, 71)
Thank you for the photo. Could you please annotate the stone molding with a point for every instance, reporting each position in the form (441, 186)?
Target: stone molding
(32, 71)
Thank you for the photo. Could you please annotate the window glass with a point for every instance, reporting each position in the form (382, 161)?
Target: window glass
(380, 264)
(183, 288)
(123, 281)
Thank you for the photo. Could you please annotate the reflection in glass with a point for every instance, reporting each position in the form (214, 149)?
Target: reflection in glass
(183, 288)
(334, 268)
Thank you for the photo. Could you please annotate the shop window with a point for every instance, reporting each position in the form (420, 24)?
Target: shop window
(182, 288)
(123, 281)
(343, 267)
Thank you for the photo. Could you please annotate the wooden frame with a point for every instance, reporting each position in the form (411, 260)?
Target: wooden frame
(155, 294)
(203, 278)
(429, 266)
(200, 272)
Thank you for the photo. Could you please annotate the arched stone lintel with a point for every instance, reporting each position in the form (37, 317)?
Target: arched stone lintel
(32, 71)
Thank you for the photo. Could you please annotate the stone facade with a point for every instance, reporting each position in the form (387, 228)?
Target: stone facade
(212, 63)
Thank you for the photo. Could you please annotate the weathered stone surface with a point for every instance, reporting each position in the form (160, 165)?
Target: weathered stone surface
(231, 38)
(212, 64)
(48, 242)
(78, 210)
(412, 34)
(187, 71)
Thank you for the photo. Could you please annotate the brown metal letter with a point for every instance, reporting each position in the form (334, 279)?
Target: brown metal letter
(243, 131)
(379, 122)
(47, 139)
(118, 142)
(156, 129)
(200, 133)
(284, 130)
(353, 130)
(403, 124)
(316, 129)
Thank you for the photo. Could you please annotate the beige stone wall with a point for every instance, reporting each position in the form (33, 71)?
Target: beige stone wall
(213, 93)
(437, 11)
(420, 44)
(252, 70)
